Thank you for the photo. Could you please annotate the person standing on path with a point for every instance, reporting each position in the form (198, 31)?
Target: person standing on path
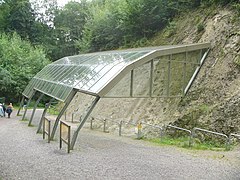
(9, 110)
(1, 110)
(4, 109)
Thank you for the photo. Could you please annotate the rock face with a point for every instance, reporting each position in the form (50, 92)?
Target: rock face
(212, 103)
(214, 97)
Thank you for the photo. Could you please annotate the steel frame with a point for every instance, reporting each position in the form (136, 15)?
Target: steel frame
(83, 120)
(34, 109)
(68, 101)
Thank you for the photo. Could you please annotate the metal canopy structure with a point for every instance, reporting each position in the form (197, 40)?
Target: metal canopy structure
(164, 71)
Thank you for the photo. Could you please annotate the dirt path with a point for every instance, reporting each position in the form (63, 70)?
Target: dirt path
(24, 155)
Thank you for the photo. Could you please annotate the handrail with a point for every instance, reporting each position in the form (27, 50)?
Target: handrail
(191, 133)
(183, 129)
(158, 127)
(235, 135)
(212, 132)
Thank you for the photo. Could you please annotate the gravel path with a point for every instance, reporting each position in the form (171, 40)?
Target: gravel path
(97, 155)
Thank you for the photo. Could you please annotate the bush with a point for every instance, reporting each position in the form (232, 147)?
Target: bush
(200, 27)
(20, 61)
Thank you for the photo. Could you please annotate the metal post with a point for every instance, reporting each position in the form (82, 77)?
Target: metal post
(72, 116)
(49, 129)
(184, 72)
(60, 144)
(151, 79)
(196, 72)
(88, 112)
(44, 128)
(131, 84)
(69, 135)
(29, 100)
(169, 75)
(43, 115)
(120, 128)
(21, 104)
(34, 109)
(104, 125)
(69, 99)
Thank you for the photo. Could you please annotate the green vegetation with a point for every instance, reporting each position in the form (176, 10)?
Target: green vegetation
(19, 63)
(30, 31)
(200, 27)
(183, 142)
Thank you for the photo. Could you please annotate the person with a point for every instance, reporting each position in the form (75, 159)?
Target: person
(4, 109)
(1, 110)
(24, 104)
(9, 109)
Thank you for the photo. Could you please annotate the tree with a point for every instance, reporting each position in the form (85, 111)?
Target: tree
(20, 61)
(69, 23)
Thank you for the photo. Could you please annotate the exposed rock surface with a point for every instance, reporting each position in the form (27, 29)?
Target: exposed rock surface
(212, 102)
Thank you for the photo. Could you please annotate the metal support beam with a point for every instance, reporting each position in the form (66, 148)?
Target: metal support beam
(29, 100)
(35, 107)
(43, 115)
(69, 99)
(131, 84)
(21, 104)
(184, 72)
(151, 79)
(196, 72)
(87, 113)
(169, 75)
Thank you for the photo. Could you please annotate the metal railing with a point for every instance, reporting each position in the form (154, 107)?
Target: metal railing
(46, 128)
(65, 135)
(183, 129)
(163, 129)
(212, 132)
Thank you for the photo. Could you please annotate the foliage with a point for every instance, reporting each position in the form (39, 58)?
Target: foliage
(69, 22)
(184, 143)
(19, 63)
(200, 27)
(97, 25)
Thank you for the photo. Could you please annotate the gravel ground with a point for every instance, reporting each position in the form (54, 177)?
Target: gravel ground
(97, 155)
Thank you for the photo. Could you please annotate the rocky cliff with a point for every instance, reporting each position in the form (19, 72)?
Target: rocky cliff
(213, 102)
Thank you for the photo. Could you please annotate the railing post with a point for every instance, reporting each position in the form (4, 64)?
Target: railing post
(91, 124)
(72, 116)
(120, 128)
(104, 125)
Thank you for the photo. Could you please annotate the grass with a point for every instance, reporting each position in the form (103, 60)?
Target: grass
(53, 111)
(183, 142)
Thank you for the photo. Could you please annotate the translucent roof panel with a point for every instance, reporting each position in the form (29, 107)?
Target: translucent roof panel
(95, 73)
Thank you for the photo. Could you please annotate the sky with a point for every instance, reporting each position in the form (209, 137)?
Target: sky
(63, 2)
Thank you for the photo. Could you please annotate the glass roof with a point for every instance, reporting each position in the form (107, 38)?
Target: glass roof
(89, 73)
(86, 72)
